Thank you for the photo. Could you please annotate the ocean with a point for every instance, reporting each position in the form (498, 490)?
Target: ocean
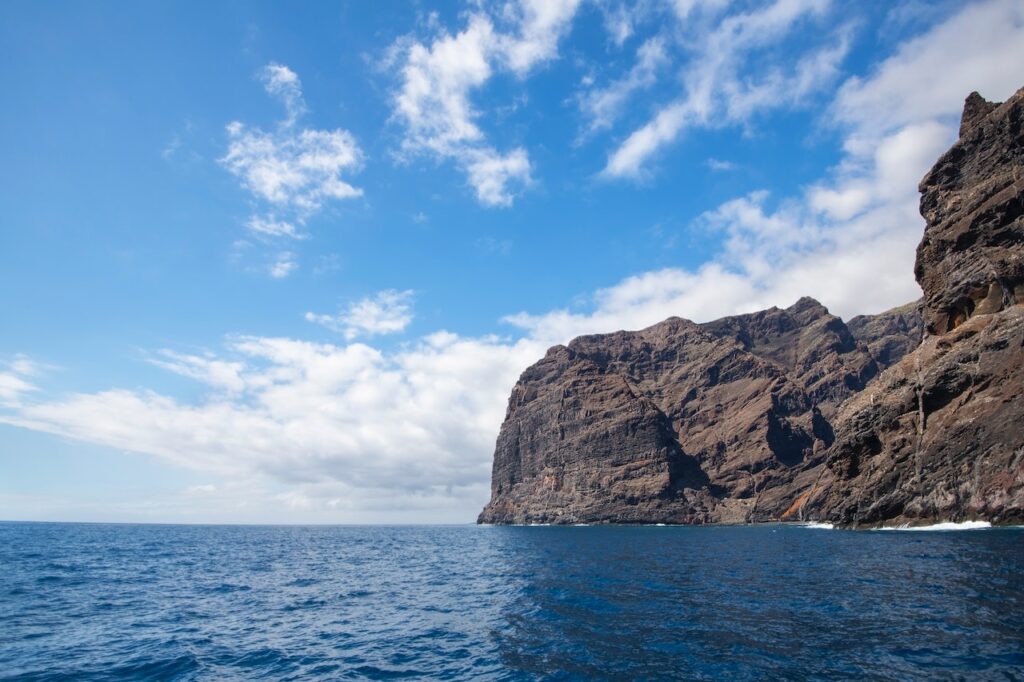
(151, 602)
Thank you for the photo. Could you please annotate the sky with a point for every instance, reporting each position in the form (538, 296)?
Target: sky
(267, 262)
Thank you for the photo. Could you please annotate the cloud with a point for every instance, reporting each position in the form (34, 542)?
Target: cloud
(720, 165)
(273, 228)
(209, 370)
(728, 78)
(294, 172)
(490, 174)
(387, 312)
(338, 429)
(602, 106)
(923, 80)
(283, 83)
(848, 239)
(283, 266)
(433, 102)
(12, 387)
(291, 171)
(619, 21)
(346, 423)
(686, 9)
(14, 383)
(540, 24)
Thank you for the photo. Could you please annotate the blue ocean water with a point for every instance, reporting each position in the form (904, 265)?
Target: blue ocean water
(101, 602)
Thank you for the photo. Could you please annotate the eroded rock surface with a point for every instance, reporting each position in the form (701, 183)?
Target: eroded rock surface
(912, 415)
(940, 435)
(971, 259)
(679, 422)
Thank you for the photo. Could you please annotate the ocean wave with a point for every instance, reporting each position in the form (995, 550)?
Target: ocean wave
(945, 525)
(818, 525)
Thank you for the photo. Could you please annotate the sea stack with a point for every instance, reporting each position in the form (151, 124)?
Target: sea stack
(911, 416)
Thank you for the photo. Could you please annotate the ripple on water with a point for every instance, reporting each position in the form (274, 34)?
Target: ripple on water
(181, 602)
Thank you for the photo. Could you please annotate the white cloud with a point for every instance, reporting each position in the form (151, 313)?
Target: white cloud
(297, 171)
(850, 238)
(349, 423)
(207, 369)
(720, 164)
(387, 312)
(619, 21)
(602, 106)
(490, 174)
(282, 82)
(540, 24)
(433, 102)
(927, 74)
(14, 382)
(283, 266)
(273, 228)
(292, 171)
(728, 79)
(685, 9)
(12, 387)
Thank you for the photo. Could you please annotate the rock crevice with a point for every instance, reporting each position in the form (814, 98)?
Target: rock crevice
(911, 415)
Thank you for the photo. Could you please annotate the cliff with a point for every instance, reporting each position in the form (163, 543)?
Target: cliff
(941, 434)
(794, 414)
(683, 422)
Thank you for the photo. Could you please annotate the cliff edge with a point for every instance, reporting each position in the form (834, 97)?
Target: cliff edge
(913, 415)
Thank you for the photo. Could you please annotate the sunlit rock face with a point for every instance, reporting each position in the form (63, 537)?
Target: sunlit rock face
(971, 260)
(682, 422)
(914, 415)
(941, 434)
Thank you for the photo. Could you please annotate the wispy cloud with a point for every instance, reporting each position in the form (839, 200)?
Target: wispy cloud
(726, 78)
(283, 265)
(720, 164)
(15, 381)
(386, 312)
(849, 239)
(433, 102)
(260, 225)
(283, 83)
(292, 171)
(601, 106)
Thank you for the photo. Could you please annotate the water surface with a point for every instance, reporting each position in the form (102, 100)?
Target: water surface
(99, 602)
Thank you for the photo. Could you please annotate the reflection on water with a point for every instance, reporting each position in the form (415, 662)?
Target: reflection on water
(189, 602)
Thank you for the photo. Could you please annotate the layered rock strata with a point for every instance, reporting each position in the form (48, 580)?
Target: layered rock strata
(911, 416)
(681, 422)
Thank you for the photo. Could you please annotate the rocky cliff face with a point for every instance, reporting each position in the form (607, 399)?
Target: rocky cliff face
(682, 422)
(941, 434)
(788, 414)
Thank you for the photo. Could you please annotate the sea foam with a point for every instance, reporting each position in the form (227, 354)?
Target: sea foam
(945, 525)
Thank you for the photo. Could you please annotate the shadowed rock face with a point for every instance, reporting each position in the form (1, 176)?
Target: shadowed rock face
(680, 422)
(940, 435)
(891, 335)
(971, 259)
(794, 414)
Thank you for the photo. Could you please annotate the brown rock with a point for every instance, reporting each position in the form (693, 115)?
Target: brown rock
(677, 423)
(971, 259)
(792, 414)
(940, 435)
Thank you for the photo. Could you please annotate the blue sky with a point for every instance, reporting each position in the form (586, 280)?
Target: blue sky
(268, 262)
